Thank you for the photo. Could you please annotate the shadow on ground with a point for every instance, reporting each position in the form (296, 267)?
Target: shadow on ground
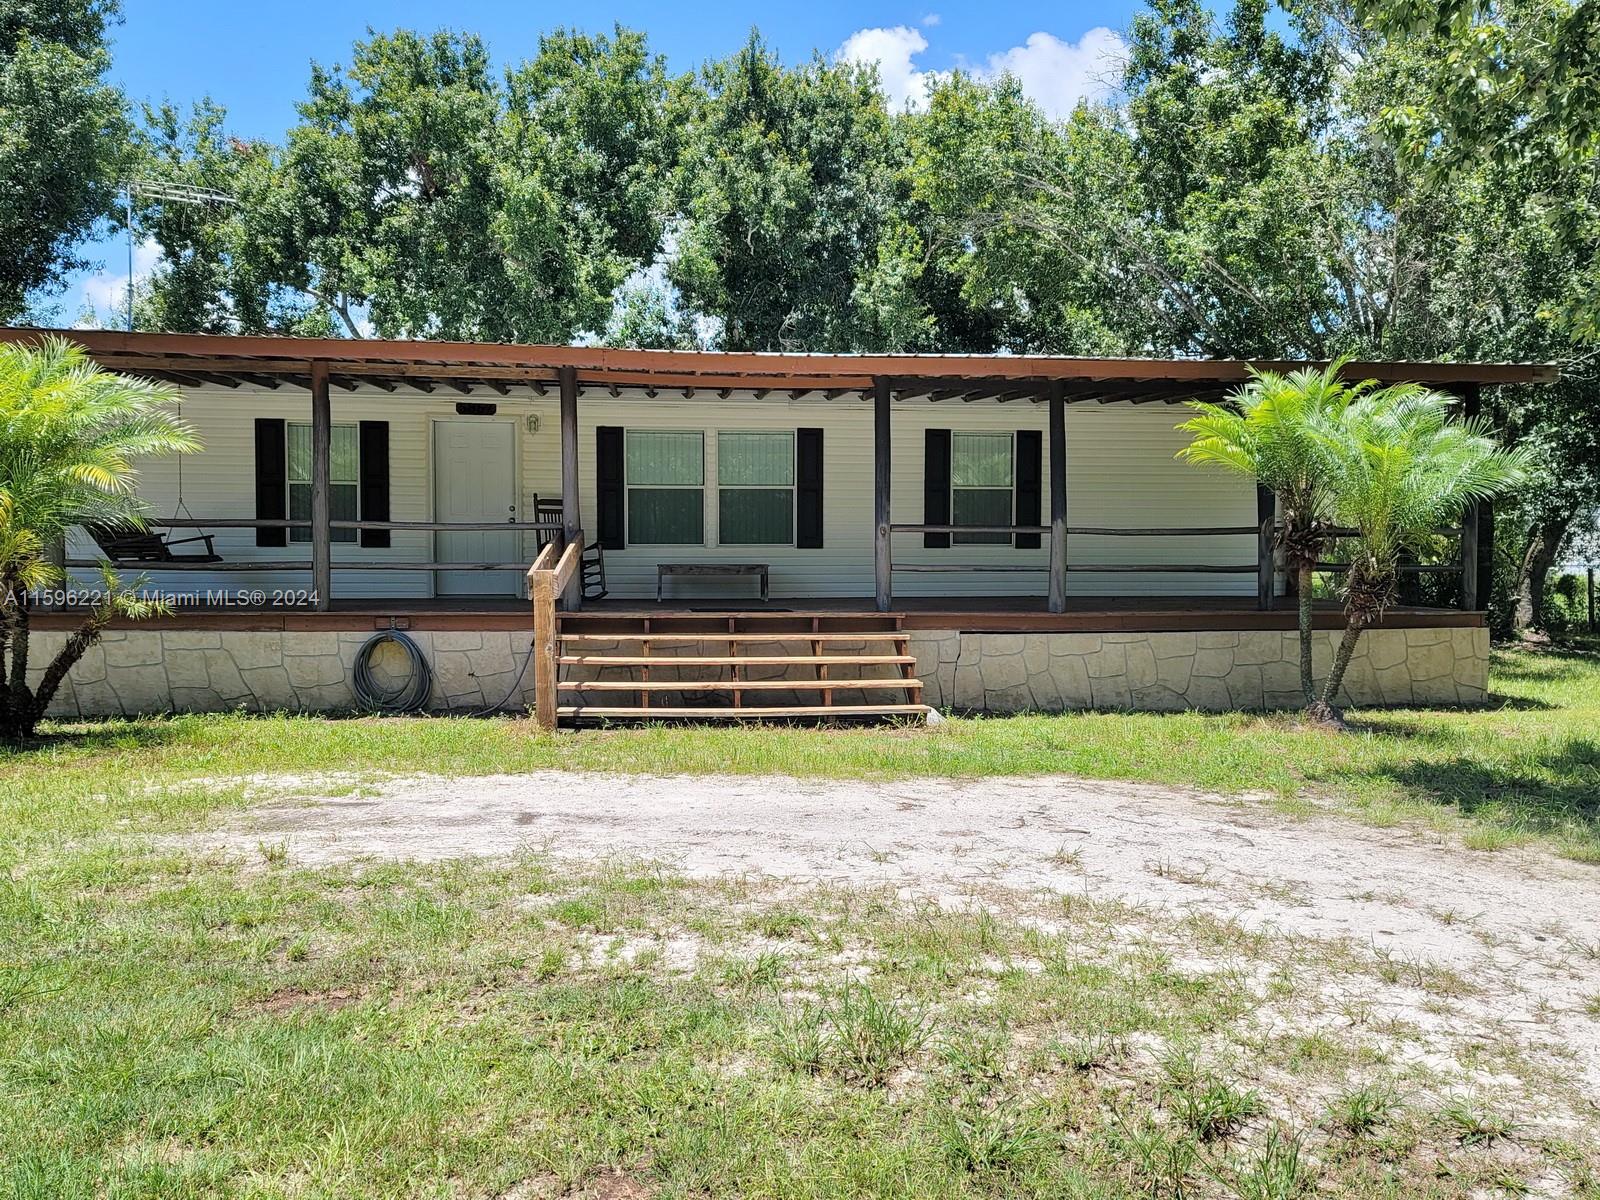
(1565, 789)
(92, 737)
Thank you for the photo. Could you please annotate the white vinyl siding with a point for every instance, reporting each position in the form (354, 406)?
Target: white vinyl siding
(1120, 473)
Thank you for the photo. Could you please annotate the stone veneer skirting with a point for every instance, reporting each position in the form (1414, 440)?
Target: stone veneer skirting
(1211, 672)
(153, 671)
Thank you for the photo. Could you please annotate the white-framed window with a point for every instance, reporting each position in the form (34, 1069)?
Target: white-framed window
(982, 483)
(665, 472)
(344, 467)
(755, 488)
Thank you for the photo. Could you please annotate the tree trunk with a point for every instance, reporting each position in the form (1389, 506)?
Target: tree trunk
(77, 645)
(1325, 710)
(16, 619)
(14, 696)
(1544, 544)
(24, 709)
(1308, 685)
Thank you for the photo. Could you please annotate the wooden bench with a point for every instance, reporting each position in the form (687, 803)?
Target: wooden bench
(665, 569)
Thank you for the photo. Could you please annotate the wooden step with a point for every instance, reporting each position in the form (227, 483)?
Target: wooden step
(737, 660)
(747, 713)
(740, 685)
(724, 614)
(691, 638)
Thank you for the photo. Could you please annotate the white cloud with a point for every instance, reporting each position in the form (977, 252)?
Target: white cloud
(1054, 74)
(106, 292)
(1057, 74)
(932, 19)
(892, 50)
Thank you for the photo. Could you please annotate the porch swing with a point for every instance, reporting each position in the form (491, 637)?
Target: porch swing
(132, 546)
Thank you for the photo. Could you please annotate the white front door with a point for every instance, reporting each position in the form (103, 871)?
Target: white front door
(475, 479)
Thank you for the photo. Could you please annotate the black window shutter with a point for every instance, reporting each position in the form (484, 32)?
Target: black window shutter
(1028, 504)
(808, 489)
(272, 486)
(608, 476)
(374, 487)
(936, 485)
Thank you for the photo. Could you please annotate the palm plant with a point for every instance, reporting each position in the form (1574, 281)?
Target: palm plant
(1270, 430)
(69, 433)
(1398, 468)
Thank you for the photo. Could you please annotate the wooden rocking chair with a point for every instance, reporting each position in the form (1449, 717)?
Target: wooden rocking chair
(592, 572)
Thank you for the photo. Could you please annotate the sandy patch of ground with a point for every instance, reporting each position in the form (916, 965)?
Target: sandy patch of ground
(1523, 927)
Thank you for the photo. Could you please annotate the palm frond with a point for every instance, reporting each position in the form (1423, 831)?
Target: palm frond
(71, 436)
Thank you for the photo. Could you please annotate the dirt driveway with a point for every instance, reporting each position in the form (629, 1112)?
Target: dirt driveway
(1522, 924)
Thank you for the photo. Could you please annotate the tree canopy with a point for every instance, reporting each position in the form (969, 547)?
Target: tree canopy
(62, 140)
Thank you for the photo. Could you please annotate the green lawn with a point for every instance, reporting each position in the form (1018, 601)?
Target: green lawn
(1526, 767)
(176, 1025)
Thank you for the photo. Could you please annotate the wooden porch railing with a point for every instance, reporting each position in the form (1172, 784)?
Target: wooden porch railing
(545, 528)
(549, 576)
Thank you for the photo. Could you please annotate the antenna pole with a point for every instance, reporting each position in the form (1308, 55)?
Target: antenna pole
(178, 193)
(127, 194)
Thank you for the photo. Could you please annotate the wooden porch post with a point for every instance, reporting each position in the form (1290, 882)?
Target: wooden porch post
(571, 518)
(1471, 522)
(1058, 496)
(1266, 568)
(881, 548)
(321, 487)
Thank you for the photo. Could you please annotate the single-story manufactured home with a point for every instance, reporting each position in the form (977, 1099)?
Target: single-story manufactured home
(722, 534)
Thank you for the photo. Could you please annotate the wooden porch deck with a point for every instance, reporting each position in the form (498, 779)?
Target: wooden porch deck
(996, 614)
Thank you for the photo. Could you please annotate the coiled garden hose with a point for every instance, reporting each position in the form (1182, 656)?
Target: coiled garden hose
(410, 691)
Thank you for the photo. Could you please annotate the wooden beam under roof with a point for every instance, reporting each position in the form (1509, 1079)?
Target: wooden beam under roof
(275, 355)
(188, 357)
(1017, 394)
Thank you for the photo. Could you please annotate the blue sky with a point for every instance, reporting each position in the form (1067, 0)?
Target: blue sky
(254, 58)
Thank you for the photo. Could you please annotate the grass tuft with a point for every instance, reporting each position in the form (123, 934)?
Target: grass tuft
(1205, 1103)
(989, 1141)
(1472, 1123)
(1358, 1111)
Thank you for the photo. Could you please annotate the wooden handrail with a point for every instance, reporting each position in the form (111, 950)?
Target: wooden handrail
(567, 567)
(1085, 530)
(548, 578)
(542, 594)
(543, 561)
(283, 523)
